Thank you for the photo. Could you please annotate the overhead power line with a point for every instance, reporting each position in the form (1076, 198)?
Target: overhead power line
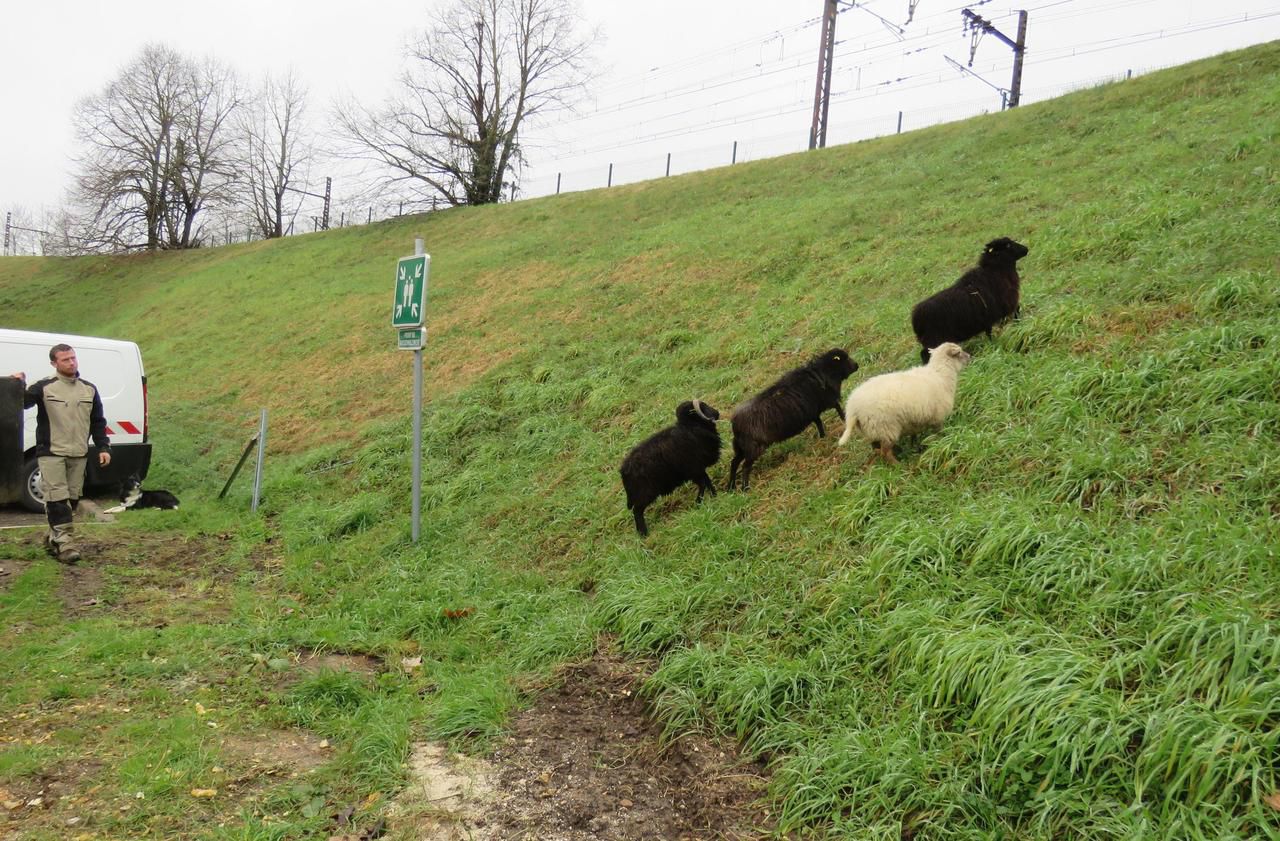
(979, 26)
(849, 57)
(826, 49)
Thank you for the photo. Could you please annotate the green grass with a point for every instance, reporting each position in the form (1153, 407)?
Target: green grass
(1058, 618)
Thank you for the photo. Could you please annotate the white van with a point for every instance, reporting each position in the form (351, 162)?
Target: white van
(115, 367)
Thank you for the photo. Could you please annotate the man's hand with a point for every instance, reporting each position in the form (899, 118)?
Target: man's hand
(104, 458)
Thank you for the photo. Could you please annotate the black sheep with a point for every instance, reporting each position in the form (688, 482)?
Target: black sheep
(669, 458)
(983, 297)
(786, 408)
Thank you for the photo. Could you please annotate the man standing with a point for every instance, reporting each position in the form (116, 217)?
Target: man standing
(68, 411)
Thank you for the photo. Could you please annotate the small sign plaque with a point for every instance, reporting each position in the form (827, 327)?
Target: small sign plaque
(411, 338)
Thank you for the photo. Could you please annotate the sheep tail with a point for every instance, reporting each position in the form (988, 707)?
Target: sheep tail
(848, 431)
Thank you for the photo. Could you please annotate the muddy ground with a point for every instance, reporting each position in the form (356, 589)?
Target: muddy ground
(583, 761)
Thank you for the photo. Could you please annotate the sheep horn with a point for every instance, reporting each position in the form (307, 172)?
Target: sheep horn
(697, 407)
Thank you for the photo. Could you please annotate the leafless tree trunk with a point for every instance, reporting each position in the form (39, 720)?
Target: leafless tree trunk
(155, 150)
(204, 171)
(275, 152)
(478, 74)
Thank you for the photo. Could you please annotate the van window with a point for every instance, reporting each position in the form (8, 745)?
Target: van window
(105, 369)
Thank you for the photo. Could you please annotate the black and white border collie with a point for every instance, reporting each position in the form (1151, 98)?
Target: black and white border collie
(133, 496)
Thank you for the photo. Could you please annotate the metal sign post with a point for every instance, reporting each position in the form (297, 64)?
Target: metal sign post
(408, 316)
(262, 448)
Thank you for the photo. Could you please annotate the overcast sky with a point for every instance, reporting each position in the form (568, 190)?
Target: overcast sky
(686, 77)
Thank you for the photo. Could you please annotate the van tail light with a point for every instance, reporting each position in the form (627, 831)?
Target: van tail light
(146, 415)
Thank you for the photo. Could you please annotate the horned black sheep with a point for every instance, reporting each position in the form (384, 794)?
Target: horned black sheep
(786, 408)
(669, 458)
(983, 297)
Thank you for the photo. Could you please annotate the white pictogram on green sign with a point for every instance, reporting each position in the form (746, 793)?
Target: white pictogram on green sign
(408, 308)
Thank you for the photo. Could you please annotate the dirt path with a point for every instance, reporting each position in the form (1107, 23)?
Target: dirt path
(585, 762)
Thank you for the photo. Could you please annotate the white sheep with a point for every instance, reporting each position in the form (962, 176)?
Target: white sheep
(885, 408)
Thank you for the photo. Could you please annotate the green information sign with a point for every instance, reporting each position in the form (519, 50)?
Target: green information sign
(411, 338)
(409, 308)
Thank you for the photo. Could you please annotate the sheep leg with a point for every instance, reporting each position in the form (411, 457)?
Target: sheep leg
(638, 512)
(704, 484)
(886, 452)
(746, 474)
(817, 421)
(733, 468)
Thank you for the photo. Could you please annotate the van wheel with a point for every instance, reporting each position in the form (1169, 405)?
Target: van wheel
(32, 497)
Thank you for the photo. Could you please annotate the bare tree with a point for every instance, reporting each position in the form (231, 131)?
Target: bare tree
(477, 75)
(62, 234)
(129, 128)
(155, 151)
(276, 151)
(204, 164)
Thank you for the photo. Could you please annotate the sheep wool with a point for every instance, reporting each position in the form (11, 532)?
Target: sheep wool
(667, 459)
(888, 407)
(983, 297)
(785, 409)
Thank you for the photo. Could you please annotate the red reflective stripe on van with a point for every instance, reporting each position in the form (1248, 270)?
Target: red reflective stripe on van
(128, 427)
(110, 431)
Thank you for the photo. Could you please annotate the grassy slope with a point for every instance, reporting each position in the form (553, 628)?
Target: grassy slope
(1057, 618)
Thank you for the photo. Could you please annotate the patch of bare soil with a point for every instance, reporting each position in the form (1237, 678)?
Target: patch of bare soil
(79, 588)
(164, 554)
(315, 661)
(450, 797)
(585, 763)
(156, 578)
(61, 787)
(289, 752)
(11, 570)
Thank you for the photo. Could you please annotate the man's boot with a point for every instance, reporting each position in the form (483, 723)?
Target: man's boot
(61, 540)
(64, 547)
